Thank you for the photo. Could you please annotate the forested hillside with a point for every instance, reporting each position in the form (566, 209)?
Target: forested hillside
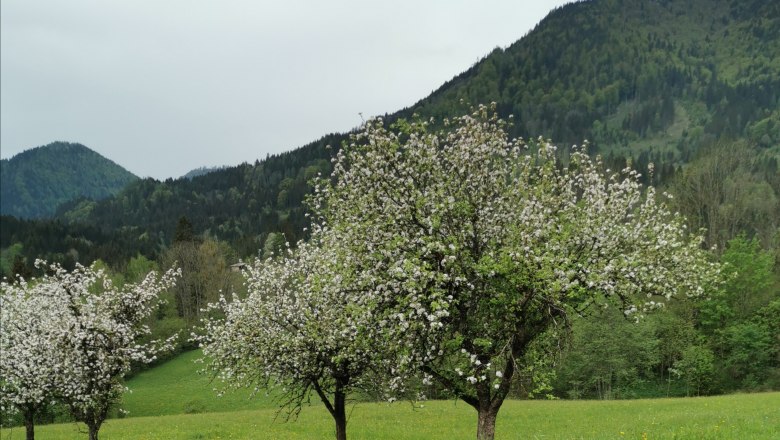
(38, 180)
(201, 171)
(661, 77)
(669, 82)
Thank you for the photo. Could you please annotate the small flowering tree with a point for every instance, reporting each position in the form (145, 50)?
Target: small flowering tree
(27, 344)
(89, 330)
(304, 328)
(472, 246)
(99, 337)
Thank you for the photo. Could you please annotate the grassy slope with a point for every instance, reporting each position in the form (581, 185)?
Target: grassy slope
(175, 387)
(743, 416)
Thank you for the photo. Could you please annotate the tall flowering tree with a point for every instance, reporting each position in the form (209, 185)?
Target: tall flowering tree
(471, 246)
(27, 344)
(88, 331)
(304, 328)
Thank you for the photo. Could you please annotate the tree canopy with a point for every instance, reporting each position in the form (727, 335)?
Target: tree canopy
(459, 250)
(72, 336)
(305, 327)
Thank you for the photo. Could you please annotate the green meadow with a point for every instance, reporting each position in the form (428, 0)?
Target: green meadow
(172, 402)
(742, 416)
(176, 387)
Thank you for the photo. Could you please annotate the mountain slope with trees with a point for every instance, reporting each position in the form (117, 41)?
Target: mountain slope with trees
(664, 77)
(35, 182)
(644, 82)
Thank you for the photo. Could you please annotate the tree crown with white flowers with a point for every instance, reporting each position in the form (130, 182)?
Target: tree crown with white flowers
(472, 245)
(304, 328)
(86, 334)
(27, 341)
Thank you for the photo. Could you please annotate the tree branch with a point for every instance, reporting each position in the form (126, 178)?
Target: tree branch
(452, 385)
(324, 398)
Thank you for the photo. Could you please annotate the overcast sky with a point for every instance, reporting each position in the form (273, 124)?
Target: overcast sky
(162, 87)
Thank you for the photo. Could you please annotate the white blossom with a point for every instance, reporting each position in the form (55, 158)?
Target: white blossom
(86, 333)
(482, 243)
(306, 326)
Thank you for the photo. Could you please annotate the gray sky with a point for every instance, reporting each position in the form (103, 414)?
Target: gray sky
(162, 87)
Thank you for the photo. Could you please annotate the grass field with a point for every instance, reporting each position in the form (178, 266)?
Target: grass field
(175, 387)
(163, 394)
(742, 416)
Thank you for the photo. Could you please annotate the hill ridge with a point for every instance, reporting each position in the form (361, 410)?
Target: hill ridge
(36, 181)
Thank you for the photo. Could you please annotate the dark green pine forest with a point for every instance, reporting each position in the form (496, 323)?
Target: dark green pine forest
(686, 91)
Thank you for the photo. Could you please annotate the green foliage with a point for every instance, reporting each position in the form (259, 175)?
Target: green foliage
(739, 320)
(8, 258)
(675, 332)
(670, 68)
(138, 267)
(610, 356)
(184, 232)
(274, 243)
(748, 353)
(201, 171)
(769, 317)
(237, 204)
(57, 242)
(696, 367)
(33, 183)
(731, 188)
(748, 272)
(205, 274)
(728, 341)
(748, 281)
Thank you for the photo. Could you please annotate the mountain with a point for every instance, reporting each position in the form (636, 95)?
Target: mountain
(661, 77)
(201, 171)
(35, 182)
(662, 81)
(241, 204)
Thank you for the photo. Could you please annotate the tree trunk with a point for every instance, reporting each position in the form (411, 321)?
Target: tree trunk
(340, 414)
(29, 424)
(486, 424)
(93, 432)
(338, 408)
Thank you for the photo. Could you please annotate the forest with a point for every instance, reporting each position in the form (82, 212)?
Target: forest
(33, 183)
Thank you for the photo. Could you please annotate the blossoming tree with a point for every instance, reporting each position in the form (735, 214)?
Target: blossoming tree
(88, 331)
(26, 346)
(304, 328)
(471, 246)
